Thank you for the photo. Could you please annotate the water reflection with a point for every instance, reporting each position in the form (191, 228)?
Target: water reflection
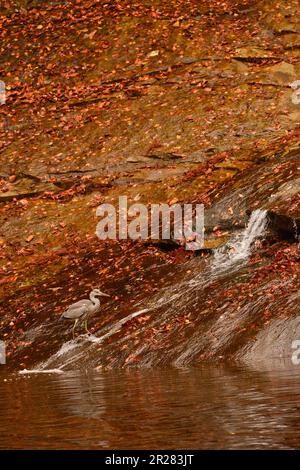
(214, 407)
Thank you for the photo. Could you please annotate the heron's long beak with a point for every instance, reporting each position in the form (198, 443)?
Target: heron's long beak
(105, 295)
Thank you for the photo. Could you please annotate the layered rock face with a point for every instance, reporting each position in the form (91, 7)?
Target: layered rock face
(181, 102)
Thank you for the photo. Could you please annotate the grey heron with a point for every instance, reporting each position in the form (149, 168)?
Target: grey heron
(81, 310)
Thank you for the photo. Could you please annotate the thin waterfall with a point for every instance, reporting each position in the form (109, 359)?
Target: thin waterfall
(238, 249)
(296, 231)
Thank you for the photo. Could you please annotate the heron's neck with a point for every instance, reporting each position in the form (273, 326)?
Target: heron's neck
(94, 299)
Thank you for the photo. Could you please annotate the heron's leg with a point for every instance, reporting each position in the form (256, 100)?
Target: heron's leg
(85, 325)
(73, 329)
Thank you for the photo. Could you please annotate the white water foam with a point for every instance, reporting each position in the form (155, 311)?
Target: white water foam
(80, 341)
(297, 234)
(65, 348)
(40, 371)
(239, 248)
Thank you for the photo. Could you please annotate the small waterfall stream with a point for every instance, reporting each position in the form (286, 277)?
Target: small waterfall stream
(181, 297)
(238, 249)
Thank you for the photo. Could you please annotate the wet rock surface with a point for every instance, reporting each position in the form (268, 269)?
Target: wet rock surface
(196, 109)
(278, 340)
(273, 185)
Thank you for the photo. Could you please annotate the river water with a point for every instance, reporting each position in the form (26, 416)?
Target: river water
(215, 407)
(91, 394)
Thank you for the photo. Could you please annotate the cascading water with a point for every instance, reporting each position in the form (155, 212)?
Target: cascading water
(238, 249)
(296, 231)
(180, 298)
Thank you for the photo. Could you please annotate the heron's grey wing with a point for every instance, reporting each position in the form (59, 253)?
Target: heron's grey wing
(75, 311)
(81, 303)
